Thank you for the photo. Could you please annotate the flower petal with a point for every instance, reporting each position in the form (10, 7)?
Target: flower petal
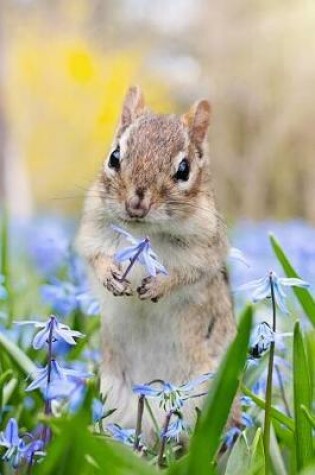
(149, 263)
(293, 282)
(191, 385)
(11, 433)
(146, 390)
(125, 254)
(280, 299)
(127, 235)
(40, 338)
(262, 292)
(238, 255)
(253, 284)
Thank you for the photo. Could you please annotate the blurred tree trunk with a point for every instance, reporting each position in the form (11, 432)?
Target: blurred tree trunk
(2, 118)
(15, 190)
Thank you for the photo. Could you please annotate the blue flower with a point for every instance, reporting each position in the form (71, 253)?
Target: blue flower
(87, 302)
(171, 397)
(97, 410)
(52, 329)
(262, 288)
(34, 448)
(140, 251)
(247, 420)
(230, 436)
(63, 381)
(49, 246)
(246, 401)
(126, 436)
(237, 255)
(11, 441)
(62, 296)
(175, 429)
(261, 339)
(17, 450)
(65, 297)
(3, 290)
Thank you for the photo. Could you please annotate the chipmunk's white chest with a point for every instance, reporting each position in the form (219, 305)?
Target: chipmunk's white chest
(143, 335)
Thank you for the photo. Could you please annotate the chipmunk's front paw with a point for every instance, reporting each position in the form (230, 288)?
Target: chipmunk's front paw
(115, 285)
(150, 288)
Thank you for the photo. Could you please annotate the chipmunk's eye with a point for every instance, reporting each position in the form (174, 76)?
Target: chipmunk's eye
(183, 170)
(114, 159)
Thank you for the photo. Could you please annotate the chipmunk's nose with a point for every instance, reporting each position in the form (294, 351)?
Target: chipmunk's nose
(137, 206)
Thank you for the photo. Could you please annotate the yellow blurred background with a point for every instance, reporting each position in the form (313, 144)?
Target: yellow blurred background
(65, 66)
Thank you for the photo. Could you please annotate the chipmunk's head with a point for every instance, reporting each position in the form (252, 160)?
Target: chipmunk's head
(155, 171)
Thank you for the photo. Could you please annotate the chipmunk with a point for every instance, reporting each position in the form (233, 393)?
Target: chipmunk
(156, 182)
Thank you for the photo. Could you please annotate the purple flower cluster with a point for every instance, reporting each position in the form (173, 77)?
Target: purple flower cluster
(54, 380)
(17, 450)
(66, 289)
(171, 397)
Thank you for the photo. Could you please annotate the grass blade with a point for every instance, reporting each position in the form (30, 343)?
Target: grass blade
(76, 451)
(275, 413)
(310, 417)
(257, 462)
(302, 397)
(207, 437)
(17, 355)
(303, 295)
(239, 459)
(276, 453)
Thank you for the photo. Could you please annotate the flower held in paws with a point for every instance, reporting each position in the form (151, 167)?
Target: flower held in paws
(140, 251)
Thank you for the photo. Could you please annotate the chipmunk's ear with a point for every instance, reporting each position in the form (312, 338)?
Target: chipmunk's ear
(197, 119)
(132, 107)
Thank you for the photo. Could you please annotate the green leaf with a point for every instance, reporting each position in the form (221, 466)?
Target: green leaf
(257, 462)
(116, 459)
(76, 451)
(8, 390)
(302, 397)
(303, 295)
(275, 452)
(309, 470)
(18, 355)
(239, 459)
(275, 413)
(6, 376)
(207, 437)
(310, 417)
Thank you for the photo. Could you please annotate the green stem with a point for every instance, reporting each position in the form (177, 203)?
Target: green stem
(46, 434)
(133, 260)
(268, 397)
(152, 416)
(282, 391)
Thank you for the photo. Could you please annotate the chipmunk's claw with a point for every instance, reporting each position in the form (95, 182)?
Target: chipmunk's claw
(150, 289)
(116, 286)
